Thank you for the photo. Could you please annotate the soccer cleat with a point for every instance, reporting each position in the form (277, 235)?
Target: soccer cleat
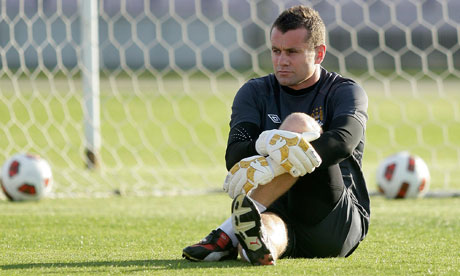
(250, 231)
(217, 246)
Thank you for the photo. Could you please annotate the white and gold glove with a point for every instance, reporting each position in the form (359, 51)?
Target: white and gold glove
(249, 173)
(291, 150)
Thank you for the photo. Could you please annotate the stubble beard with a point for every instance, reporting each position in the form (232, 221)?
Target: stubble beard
(292, 83)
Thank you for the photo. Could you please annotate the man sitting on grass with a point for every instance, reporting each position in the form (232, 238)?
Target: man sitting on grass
(296, 193)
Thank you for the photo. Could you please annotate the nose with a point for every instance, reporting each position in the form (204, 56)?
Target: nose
(283, 59)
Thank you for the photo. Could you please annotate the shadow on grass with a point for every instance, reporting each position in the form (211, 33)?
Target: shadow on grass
(133, 264)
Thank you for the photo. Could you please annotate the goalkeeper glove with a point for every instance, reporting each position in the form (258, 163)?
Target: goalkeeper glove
(249, 173)
(290, 149)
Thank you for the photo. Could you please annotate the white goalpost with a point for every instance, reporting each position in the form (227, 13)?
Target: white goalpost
(134, 97)
(90, 74)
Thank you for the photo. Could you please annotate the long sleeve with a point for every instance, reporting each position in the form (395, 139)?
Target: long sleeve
(241, 143)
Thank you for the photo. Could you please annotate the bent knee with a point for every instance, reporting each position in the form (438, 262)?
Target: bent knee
(300, 122)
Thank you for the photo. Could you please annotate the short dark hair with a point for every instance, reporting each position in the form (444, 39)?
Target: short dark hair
(306, 17)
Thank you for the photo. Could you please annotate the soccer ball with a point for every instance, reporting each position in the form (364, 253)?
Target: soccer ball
(403, 175)
(26, 177)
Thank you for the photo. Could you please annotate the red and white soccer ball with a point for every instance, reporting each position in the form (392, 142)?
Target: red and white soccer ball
(403, 175)
(26, 177)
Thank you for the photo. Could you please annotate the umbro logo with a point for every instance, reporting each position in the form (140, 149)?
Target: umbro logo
(274, 118)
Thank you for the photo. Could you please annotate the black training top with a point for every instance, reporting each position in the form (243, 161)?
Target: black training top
(338, 104)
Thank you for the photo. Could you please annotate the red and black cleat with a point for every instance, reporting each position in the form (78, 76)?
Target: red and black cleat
(217, 246)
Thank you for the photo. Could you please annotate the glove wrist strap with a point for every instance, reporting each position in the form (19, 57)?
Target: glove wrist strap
(261, 147)
(261, 142)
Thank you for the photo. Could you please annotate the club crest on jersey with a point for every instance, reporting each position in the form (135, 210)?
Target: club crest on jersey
(274, 118)
(317, 114)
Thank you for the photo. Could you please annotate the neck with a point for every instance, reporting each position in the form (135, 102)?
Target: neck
(308, 81)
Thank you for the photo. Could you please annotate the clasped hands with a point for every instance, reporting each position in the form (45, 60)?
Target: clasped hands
(280, 151)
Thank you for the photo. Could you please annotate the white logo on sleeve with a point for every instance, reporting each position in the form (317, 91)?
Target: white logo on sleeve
(274, 118)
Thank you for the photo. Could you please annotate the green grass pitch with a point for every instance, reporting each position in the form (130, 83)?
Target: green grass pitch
(145, 236)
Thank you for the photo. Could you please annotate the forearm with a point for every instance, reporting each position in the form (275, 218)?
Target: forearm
(339, 141)
(241, 143)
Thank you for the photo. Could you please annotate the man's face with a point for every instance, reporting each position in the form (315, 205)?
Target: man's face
(294, 60)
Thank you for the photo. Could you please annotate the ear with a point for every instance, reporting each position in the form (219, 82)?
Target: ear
(320, 53)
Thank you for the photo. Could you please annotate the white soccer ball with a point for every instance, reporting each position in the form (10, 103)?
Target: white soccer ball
(403, 175)
(26, 177)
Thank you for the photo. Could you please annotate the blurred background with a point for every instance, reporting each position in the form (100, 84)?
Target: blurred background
(169, 70)
(136, 34)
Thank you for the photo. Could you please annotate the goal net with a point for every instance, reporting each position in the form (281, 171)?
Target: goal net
(169, 70)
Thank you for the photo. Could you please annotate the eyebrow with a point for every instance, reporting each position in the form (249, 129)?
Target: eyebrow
(288, 49)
